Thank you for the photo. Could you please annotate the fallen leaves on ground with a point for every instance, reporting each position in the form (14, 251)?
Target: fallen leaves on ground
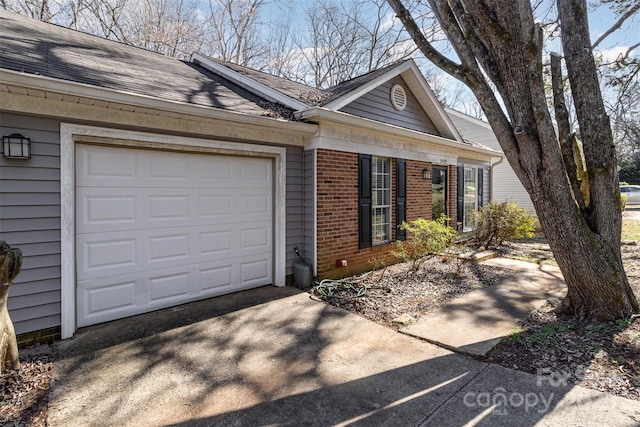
(398, 291)
(24, 393)
(603, 356)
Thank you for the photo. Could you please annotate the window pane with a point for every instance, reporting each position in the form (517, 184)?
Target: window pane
(381, 199)
(439, 192)
(380, 224)
(469, 197)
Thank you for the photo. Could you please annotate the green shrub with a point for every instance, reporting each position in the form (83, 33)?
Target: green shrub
(623, 201)
(424, 238)
(497, 222)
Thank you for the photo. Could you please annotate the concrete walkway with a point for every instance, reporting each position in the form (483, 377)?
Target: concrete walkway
(274, 356)
(476, 322)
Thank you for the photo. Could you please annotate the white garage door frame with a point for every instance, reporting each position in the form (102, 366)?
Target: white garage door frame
(71, 134)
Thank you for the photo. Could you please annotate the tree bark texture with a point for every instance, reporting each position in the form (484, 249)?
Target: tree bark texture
(10, 265)
(499, 47)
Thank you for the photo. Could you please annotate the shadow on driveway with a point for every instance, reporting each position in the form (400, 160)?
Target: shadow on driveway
(273, 356)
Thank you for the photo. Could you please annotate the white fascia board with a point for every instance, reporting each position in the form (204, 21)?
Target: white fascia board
(470, 119)
(349, 97)
(321, 114)
(49, 84)
(442, 119)
(247, 82)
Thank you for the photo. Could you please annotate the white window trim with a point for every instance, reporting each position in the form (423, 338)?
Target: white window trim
(389, 206)
(70, 134)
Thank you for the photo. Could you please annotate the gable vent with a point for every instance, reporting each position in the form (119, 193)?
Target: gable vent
(398, 97)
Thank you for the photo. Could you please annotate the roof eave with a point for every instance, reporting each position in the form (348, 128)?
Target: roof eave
(323, 114)
(247, 83)
(48, 84)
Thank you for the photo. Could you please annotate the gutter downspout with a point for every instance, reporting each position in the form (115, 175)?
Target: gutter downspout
(501, 159)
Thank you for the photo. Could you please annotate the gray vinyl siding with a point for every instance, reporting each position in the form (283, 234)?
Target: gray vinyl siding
(376, 105)
(505, 184)
(30, 220)
(309, 204)
(295, 204)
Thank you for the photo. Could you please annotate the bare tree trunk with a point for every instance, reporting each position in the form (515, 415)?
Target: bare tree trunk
(499, 45)
(10, 265)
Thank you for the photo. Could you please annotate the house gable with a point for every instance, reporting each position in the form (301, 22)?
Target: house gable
(416, 88)
(377, 105)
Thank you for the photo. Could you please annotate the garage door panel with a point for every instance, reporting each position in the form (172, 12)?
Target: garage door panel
(258, 204)
(109, 298)
(122, 253)
(255, 272)
(214, 171)
(169, 286)
(109, 209)
(116, 252)
(101, 162)
(174, 247)
(186, 227)
(254, 170)
(106, 209)
(165, 168)
(169, 210)
(215, 279)
(212, 207)
(255, 239)
(100, 301)
(215, 243)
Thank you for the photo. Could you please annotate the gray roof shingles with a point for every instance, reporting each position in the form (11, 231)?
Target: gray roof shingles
(33, 47)
(304, 93)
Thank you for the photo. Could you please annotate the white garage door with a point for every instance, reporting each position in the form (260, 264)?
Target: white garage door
(156, 229)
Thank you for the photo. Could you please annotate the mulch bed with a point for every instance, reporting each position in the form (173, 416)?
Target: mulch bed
(398, 291)
(24, 393)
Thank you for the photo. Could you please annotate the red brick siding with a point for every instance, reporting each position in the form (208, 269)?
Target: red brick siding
(337, 191)
(453, 187)
(419, 203)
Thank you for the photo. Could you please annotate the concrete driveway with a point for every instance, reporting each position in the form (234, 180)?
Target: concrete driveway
(632, 212)
(273, 356)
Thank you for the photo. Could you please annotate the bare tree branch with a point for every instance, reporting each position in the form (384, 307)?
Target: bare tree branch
(628, 14)
(565, 136)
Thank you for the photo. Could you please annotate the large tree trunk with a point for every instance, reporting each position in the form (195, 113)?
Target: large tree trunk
(598, 288)
(499, 46)
(10, 265)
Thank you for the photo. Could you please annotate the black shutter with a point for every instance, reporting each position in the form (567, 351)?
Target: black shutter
(460, 195)
(364, 201)
(401, 197)
(480, 187)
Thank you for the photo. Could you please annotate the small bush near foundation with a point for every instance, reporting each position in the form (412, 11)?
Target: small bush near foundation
(497, 222)
(424, 238)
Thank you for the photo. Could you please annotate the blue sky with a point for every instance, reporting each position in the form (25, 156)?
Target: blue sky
(602, 18)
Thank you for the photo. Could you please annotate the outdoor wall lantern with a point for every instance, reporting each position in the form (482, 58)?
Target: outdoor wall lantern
(426, 173)
(16, 146)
